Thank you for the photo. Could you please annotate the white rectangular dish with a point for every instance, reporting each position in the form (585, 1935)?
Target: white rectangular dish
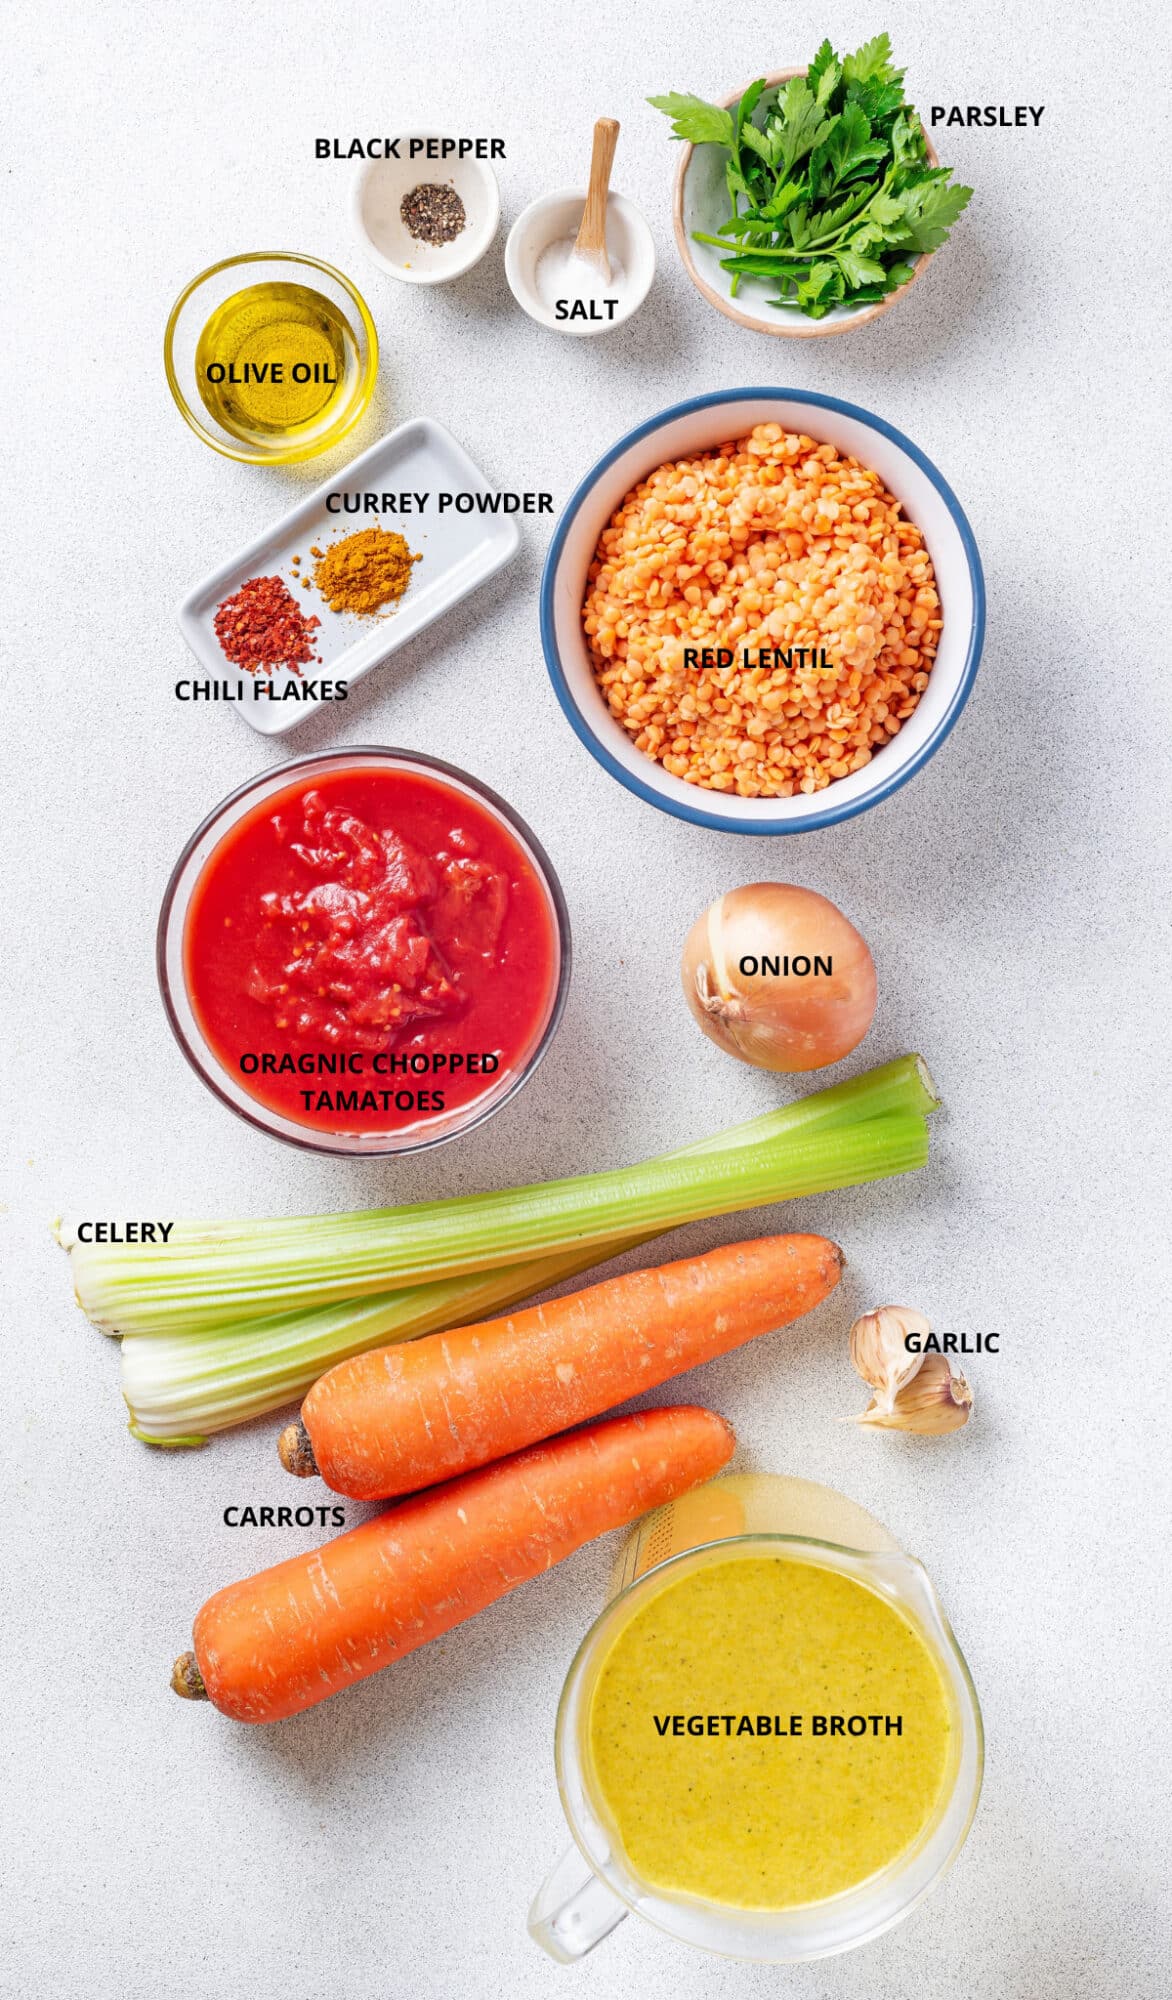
(460, 551)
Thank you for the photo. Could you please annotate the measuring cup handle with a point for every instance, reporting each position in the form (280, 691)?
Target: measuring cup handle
(573, 1911)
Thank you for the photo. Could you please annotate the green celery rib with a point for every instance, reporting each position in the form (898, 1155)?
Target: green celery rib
(115, 1286)
(213, 1283)
(901, 1085)
(181, 1387)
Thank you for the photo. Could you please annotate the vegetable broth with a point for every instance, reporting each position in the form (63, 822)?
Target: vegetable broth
(767, 1821)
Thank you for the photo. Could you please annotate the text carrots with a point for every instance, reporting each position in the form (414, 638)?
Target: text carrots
(278, 1642)
(398, 1418)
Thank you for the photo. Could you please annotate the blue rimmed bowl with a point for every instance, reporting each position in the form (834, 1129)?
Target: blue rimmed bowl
(699, 425)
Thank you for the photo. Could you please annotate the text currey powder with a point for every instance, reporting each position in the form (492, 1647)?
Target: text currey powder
(770, 544)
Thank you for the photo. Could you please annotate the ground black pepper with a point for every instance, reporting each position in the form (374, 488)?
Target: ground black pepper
(433, 214)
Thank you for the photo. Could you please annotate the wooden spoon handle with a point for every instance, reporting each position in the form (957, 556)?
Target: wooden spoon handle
(592, 230)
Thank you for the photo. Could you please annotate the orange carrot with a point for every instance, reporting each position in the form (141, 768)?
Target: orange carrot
(280, 1641)
(398, 1418)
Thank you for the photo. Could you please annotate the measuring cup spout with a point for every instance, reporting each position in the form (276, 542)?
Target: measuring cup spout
(573, 1911)
(907, 1577)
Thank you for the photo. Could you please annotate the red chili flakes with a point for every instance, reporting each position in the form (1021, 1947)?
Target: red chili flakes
(264, 626)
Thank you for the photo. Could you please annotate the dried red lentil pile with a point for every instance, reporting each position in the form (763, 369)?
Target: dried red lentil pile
(263, 626)
(771, 541)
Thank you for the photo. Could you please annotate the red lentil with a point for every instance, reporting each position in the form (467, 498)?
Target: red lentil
(770, 542)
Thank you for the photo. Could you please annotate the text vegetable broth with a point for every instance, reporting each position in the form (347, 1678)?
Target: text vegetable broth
(712, 1738)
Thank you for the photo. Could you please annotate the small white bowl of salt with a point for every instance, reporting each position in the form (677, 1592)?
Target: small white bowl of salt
(581, 263)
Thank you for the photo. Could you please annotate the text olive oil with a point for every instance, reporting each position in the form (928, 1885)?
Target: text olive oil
(276, 361)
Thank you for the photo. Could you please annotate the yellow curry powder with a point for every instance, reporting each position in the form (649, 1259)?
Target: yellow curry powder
(365, 571)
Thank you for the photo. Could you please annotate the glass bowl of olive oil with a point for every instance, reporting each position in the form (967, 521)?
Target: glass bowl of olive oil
(271, 357)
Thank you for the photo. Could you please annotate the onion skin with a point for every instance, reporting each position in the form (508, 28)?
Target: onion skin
(779, 1021)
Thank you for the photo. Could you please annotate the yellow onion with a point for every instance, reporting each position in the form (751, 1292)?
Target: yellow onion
(777, 976)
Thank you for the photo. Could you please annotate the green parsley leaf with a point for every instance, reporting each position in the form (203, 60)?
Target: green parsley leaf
(930, 212)
(781, 201)
(703, 124)
(746, 108)
(804, 123)
(820, 291)
(824, 73)
(859, 270)
(872, 60)
(870, 295)
(884, 209)
(880, 101)
(832, 220)
(759, 144)
(799, 225)
(907, 141)
(849, 143)
(846, 151)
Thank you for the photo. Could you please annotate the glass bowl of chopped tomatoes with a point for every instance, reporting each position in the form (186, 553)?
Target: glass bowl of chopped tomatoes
(364, 951)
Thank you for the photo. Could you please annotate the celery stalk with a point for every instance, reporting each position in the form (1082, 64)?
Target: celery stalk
(233, 1320)
(207, 1282)
(181, 1387)
(213, 1379)
(901, 1085)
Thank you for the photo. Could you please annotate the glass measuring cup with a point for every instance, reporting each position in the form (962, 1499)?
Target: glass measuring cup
(594, 1886)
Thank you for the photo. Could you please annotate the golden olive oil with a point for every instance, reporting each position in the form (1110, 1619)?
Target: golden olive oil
(276, 362)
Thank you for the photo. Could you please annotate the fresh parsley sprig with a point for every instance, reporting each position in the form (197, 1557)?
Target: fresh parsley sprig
(830, 190)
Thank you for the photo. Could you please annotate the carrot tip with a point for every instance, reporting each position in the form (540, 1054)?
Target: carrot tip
(187, 1680)
(296, 1452)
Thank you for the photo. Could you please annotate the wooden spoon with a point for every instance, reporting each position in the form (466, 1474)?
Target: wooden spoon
(590, 242)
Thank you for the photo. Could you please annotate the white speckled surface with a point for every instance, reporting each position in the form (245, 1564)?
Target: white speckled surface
(387, 1843)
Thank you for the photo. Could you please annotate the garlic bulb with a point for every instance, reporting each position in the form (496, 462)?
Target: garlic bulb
(879, 1350)
(932, 1402)
(913, 1392)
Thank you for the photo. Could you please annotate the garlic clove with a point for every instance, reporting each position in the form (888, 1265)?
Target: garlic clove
(933, 1402)
(879, 1350)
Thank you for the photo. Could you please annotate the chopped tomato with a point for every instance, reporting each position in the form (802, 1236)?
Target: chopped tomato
(373, 912)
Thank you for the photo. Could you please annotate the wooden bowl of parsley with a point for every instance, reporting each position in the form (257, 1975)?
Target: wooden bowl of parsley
(810, 201)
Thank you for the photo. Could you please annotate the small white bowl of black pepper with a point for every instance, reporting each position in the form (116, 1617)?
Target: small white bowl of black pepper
(428, 214)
